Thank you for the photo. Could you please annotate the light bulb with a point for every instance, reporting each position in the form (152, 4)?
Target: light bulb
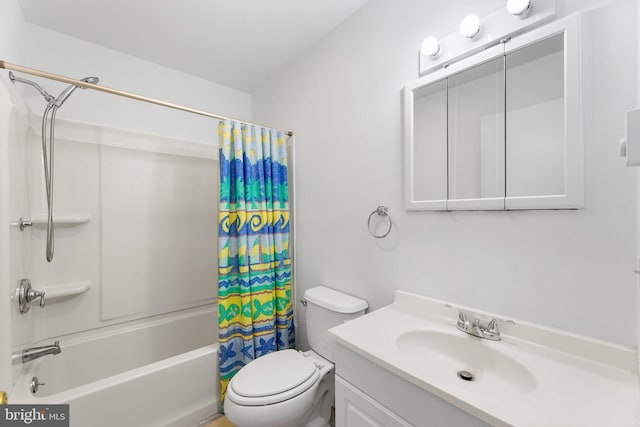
(430, 46)
(470, 26)
(520, 8)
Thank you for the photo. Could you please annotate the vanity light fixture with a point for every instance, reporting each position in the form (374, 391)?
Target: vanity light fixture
(519, 8)
(430, 46)
(470, 26)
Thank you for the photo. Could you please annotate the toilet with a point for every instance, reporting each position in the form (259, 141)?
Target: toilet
(290, 388)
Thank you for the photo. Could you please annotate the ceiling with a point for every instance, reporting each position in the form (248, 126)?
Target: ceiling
(237, 43)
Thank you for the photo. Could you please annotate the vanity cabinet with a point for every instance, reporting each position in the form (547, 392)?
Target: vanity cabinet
(356, 409)
(368, 395)
(501, 129)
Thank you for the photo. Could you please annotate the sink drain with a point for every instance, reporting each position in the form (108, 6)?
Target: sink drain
(465, 375)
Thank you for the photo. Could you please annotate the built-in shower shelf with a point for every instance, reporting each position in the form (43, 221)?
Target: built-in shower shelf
(64, 220)
(66, 291)
(60, 220)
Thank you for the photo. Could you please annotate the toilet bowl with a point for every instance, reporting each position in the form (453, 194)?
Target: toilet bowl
(282, 389)
(289, 388)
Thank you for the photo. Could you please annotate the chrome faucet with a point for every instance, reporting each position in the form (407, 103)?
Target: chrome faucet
(34, 353)
(475, 327)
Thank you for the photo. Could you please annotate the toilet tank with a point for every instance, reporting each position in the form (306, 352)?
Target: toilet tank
(327, 308)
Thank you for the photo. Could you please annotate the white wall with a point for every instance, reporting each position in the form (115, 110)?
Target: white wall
(565, 269)
(62, 54)
(11, 31)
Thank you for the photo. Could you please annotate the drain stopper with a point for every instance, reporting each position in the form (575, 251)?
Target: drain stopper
(465, 375)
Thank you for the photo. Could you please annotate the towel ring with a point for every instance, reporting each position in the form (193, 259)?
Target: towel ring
(381, 211)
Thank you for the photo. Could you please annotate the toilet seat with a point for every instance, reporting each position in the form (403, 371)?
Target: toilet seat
(273, 378)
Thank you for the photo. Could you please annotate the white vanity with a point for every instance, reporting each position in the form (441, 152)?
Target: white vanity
(398, 366)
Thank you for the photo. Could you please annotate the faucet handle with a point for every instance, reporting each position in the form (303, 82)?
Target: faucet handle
(25, 294)
(462, 320)
(33, 294)
(493, 324)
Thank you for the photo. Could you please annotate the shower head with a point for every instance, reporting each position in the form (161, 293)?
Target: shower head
(69, 90)
(54, 102)
(47, 96)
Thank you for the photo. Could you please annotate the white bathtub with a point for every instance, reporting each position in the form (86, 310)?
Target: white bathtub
(157, 373)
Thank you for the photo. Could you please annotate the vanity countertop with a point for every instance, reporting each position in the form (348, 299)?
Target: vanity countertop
(534, 376)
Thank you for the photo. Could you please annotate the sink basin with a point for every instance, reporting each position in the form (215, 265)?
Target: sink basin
(452, 352)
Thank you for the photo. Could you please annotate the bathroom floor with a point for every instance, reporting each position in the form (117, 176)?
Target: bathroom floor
(220, 422)
(224, 422)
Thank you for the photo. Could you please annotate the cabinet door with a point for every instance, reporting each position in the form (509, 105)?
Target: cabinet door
(475, 103)
(543, 126)
(425, 131)
(356, 409)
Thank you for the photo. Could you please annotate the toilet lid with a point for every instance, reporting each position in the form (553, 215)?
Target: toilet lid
(273, 378)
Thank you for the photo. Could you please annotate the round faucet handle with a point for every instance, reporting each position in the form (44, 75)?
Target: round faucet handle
(25, 294)
(33, 294)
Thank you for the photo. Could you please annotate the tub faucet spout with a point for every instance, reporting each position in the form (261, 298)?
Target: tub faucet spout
(34, 353)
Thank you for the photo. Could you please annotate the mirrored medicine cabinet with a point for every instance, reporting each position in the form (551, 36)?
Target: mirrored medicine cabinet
(499, 130)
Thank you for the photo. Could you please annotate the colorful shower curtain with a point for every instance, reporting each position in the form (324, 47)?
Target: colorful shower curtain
(255, 307)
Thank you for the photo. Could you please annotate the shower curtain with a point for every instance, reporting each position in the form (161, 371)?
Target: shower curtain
(255, 307)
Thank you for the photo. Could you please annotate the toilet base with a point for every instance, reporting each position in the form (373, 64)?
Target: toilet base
(318, 422)
(321, 414)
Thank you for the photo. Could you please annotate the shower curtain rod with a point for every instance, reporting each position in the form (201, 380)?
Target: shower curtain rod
(20, 69)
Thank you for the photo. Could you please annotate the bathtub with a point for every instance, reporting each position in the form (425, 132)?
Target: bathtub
(161, 372)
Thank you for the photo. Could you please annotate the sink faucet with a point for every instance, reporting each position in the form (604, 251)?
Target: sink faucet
(476, 328)
(34, 353)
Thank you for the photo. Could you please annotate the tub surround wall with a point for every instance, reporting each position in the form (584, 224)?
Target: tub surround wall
(151, 228)
(638, 206)
(11, 48)
(564, 269)
(6, 286)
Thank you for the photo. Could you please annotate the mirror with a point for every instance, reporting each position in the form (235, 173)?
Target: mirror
(476, 133)
(430, 142)
(535, 119)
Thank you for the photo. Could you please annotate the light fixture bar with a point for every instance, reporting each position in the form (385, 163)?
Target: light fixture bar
(496, 26)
